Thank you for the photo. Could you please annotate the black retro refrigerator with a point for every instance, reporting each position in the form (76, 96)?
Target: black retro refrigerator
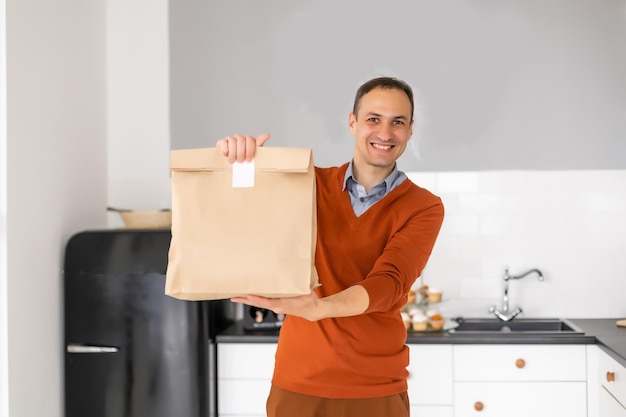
(130, 350)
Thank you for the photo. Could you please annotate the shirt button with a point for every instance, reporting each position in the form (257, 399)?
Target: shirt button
(362, 199)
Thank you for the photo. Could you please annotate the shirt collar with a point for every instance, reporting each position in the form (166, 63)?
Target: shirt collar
(388, 181)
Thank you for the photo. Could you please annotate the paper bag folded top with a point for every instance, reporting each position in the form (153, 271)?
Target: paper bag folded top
(233, 241)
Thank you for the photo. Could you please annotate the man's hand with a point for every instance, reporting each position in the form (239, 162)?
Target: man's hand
(241, 148)
(349, 302)
(305, 306)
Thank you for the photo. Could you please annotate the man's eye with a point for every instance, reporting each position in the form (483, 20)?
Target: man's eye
(398, 122)
(373, 120)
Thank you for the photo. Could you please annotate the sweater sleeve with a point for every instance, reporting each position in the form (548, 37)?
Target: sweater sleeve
(404, 257)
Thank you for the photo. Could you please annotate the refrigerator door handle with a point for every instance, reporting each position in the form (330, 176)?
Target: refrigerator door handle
(76, 348)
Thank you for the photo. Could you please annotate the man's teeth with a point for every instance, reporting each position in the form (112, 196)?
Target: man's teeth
(383, 147)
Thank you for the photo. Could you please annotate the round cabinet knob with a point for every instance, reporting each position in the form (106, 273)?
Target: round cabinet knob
(610, 376)
(478, 406)
(520, 363)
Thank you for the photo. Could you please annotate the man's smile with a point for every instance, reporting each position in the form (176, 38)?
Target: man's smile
(382, 147)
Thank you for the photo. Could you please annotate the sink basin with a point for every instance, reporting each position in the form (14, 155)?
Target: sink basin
(516, 326)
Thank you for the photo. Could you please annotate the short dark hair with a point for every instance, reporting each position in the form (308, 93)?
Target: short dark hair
(386, 83)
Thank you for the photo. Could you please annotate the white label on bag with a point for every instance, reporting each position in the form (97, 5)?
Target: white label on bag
(243, 174)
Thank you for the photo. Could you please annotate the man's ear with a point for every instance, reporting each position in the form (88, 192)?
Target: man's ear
(352, 122)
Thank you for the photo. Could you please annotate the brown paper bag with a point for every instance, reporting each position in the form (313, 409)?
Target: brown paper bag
(230, 241)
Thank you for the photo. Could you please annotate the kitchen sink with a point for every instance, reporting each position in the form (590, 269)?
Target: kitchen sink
(517, 326)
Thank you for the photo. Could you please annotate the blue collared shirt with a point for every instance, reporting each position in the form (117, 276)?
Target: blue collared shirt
(359, 198)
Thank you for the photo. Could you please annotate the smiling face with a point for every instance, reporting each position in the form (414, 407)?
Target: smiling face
(382, 128)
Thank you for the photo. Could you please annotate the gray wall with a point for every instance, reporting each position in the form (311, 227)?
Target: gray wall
(54, 185)
(507, 84)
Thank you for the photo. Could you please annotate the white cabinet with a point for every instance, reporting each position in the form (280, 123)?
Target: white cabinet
(454, 380)
(245, 370)
(612, 380)
(244, 375)
(520, 380)
(430, 380)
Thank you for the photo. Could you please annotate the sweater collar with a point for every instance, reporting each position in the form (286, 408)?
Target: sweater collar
(350, 175)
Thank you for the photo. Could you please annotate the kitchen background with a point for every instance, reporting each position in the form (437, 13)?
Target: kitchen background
(524, 137)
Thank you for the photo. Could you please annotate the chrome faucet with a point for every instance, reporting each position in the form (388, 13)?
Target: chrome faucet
(504, 314)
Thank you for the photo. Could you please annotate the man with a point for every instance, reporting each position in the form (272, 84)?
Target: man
(341, 350)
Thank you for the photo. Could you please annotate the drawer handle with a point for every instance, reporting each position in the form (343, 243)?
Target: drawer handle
(76, 348)
(610, 376)
(520, 363)
(478, 406)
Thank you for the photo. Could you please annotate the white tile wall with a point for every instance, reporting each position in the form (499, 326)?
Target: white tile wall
(569, 224)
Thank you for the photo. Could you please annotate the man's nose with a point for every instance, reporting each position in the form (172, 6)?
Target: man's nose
(386, 131)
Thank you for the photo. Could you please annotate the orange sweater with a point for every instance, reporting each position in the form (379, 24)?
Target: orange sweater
(384, 250)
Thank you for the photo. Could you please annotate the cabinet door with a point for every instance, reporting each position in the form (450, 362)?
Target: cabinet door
(245, 360)
(612, 377)
(609, 406)
(430, 375)
(244, 375)
(520, 399)
(520, 363)
(242, 397)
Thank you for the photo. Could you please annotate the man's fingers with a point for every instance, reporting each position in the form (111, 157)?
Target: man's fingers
(250, 148)
(232, 149)
(261, 139)
(239, 147)
(222, 145)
